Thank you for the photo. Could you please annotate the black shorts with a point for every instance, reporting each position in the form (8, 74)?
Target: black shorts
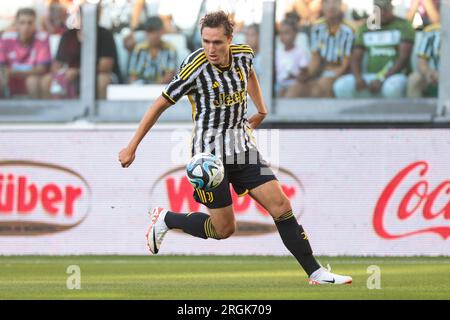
(243, 178)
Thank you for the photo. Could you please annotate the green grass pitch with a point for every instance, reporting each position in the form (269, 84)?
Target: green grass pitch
(217, 277)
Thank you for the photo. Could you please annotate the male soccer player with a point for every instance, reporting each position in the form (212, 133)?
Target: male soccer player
(217, 78)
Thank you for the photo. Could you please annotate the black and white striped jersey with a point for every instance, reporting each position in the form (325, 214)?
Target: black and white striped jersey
(332, 47)
(430, 44)
(219, 101)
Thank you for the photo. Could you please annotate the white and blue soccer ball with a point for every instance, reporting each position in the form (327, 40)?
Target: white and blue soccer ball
(205, 171)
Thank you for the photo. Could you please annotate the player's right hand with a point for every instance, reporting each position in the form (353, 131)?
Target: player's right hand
(126, 157)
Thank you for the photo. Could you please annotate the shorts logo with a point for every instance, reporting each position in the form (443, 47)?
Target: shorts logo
(205, 196)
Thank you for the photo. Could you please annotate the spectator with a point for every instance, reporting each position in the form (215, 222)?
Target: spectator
(425, 80)
(427, 9)
(388, 54)
(331, 45)
(252, 39)
(308, 11)
(24, 56)
(66, 69)
(55, 21)
(290, 60)
(153, 61)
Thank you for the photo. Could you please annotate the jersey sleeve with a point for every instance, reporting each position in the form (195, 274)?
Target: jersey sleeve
(425, 49)
(359, 38)
(408, 33)
(184, 80)
(314, 39)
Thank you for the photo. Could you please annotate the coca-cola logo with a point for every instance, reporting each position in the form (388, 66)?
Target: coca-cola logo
(172, 190)
(39, 198)
(410, 205)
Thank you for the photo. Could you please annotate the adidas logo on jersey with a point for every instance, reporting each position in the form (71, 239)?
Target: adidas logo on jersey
(215, 85)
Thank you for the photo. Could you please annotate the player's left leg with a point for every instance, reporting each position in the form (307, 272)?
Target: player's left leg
(272, 198)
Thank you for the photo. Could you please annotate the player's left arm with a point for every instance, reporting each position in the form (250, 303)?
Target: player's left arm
(254, 90)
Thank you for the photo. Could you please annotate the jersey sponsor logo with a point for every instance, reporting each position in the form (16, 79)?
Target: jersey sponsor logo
(40, 198)
(230, 99)
(382, 38)
(383, 52)
(409, 205)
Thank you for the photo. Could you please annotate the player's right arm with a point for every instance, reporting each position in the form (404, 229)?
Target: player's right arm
(127, 154)
(181, 84)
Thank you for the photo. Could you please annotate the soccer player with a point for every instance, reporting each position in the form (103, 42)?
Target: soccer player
(217, 78)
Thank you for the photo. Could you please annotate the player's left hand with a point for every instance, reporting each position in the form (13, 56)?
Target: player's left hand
(255, 120)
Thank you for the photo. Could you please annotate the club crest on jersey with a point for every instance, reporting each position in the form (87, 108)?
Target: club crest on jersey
(239, 72)
(230, 99)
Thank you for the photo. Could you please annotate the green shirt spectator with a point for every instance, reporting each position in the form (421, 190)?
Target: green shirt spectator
(382, 45)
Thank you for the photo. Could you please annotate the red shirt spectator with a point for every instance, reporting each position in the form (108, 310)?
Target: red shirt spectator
(19, 57)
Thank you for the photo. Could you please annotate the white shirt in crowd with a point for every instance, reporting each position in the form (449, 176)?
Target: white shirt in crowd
(288, 65)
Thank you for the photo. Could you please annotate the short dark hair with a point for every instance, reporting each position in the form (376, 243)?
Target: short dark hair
(290, 23)
(217, 19)
(25, 12)
(154, 23)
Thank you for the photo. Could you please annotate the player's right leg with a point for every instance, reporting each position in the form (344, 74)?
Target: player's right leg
(219, 224)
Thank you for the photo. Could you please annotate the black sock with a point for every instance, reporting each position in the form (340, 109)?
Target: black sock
(296, 240)
(197, 224)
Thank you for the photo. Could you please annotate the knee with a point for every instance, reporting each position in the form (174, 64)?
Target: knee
(280, 206)
(103, 80)
(344, 87)
(415, 85)
(226, 231)
(32, 83)
(45, 82)
(395, 86)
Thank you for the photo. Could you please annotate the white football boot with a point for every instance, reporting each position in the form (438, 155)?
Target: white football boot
(324, 276)
(157, 230)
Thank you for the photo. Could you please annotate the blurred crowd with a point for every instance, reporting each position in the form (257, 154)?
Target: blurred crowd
(324, 48)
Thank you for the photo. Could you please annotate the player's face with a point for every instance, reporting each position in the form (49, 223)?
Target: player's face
(216, 45)
(25, 25)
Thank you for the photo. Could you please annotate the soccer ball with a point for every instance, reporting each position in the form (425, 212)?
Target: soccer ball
(205, 171)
